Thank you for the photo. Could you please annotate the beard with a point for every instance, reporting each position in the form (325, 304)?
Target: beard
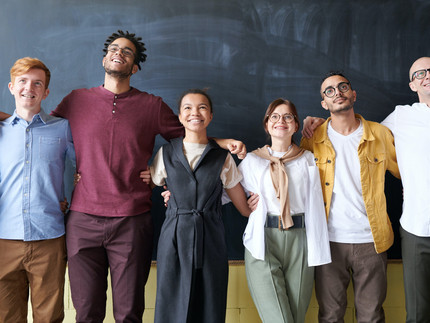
(118, 74)
(348, 106)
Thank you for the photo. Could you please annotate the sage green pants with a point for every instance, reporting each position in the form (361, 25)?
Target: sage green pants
(281, 286)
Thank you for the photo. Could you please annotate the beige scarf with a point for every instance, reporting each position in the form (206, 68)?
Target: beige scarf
(280, 179)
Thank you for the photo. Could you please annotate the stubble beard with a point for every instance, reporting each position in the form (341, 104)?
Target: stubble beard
(122, 75)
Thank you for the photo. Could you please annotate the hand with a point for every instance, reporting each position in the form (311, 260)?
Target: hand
(237, 147)
(4, 116)
(310, 124)
(166, 195)
(64, 205)
(76, 178)
(253, 201)
(145, 175)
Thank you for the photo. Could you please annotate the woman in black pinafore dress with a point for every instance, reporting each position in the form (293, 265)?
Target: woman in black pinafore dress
(192, 266)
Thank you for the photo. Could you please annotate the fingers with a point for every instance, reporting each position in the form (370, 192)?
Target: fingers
(145, 175)
(253, 201)
(238, 148)
(76, 178)
(166, 196)
(64, 205)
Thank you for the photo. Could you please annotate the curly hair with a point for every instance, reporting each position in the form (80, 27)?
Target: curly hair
(139, 56)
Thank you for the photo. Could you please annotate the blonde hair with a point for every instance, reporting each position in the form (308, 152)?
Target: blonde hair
(23, 65)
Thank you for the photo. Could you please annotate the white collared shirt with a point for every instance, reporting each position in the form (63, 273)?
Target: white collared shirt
(305, 194)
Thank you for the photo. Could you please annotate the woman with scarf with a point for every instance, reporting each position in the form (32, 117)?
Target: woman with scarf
(287, 234)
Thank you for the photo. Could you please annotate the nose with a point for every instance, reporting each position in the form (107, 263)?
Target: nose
(29, 85)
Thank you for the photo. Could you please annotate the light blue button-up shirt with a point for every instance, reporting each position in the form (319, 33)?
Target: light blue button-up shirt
(32, 162)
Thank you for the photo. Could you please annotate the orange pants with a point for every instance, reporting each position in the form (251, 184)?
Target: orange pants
(39, 265)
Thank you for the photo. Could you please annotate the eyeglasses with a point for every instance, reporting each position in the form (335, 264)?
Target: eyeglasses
(125, 51)
(420, 74)
(288, 117)
(342, 87)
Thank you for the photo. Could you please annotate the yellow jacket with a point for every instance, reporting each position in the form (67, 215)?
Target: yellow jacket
(377, 154)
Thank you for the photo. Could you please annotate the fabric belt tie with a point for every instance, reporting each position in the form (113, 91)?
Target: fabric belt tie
(274, 221)
(198, 235)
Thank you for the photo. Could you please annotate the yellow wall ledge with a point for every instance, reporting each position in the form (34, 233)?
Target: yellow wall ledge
(241, 309)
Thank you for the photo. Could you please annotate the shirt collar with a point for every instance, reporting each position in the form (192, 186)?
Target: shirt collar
(322, 135)
(15, 118)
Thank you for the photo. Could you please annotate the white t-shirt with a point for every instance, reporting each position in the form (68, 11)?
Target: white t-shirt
(410, 126)
(347, 221)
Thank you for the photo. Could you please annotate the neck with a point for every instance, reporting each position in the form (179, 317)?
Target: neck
(281, 145)
(196, 137)
(27, 114)
(344, 123)
(116, 85)
(425, 100)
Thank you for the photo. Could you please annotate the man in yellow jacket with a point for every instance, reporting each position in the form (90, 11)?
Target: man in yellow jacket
(352, 155)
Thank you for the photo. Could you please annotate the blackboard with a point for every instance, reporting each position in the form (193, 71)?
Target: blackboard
(248, 52)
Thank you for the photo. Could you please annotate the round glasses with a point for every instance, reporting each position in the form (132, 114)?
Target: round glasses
(420, 74)
(331, 91)
(125, 51)
(288, 117)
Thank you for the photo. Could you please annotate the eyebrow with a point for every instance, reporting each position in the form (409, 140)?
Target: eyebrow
(126, 47)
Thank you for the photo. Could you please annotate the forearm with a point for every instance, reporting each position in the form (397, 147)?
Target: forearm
(238, 197)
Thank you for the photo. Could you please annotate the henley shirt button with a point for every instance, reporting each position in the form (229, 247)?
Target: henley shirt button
(329, 161)
(327, 184)
(376, 160)
(113, 111)
(28, 130)
(114, 103)
(316, 159)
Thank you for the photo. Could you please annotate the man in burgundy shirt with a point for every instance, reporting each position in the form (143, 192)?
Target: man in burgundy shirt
(109, 226)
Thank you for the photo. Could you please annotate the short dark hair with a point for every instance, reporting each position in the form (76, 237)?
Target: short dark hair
(334, 73)
(195, 91)
(139, 56)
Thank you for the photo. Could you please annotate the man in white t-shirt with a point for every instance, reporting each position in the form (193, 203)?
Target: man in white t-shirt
(410, 127)
(352, 155)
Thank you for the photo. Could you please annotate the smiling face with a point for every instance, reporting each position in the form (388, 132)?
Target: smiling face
(421, 86)
(195, 112)
(342, 101)
(118, 62)
(29, 89)
(281, 129)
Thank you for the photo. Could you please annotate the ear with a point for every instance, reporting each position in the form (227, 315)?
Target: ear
(354, 95)
(103, 61)
(135, 69)
(10, 86)
(324, 105)
(180, 117)
(45, 95)
(412, 86)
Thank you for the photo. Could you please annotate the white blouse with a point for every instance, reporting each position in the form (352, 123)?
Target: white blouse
(304, 188)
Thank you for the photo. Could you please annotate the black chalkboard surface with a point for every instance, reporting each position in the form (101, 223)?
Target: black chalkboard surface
(248, 52)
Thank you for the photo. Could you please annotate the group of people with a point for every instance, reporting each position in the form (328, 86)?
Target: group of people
(316, 211)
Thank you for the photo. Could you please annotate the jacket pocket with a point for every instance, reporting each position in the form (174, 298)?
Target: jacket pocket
(377, 168)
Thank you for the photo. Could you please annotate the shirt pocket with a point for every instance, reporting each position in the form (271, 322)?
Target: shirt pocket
(376, 164)
(324, 164)
(50, 148)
